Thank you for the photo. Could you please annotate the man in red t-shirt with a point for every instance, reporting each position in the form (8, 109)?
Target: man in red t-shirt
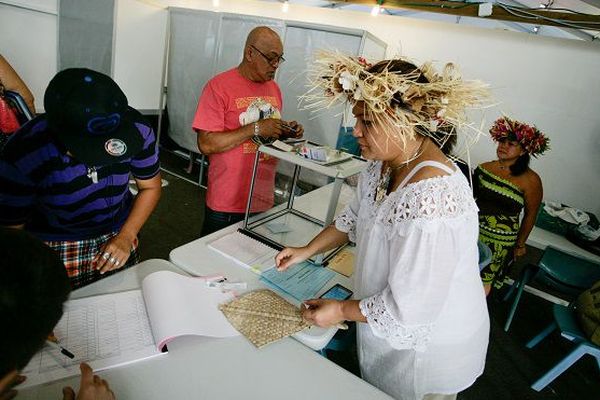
(238, 108)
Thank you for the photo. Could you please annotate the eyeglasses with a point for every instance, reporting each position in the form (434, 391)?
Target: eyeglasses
(274, 61)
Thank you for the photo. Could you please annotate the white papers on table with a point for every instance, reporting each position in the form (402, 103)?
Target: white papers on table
(301, 281)
(245, 251)
(180, 305)
(105, 331)
(120, 328)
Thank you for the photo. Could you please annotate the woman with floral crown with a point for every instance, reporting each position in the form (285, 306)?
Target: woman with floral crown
(422, 318)
(503, 188)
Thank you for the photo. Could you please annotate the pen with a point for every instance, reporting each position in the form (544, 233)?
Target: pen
(58, 347)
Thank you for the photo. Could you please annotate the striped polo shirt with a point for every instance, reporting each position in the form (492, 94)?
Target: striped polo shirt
(56, 196)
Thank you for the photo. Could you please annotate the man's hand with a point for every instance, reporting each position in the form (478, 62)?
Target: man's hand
(114, 254)
(296, 131)
(92, 387)
(271, 127)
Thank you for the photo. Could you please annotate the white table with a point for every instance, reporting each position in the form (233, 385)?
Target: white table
(542, 238)
(197, 259)
(223, 369)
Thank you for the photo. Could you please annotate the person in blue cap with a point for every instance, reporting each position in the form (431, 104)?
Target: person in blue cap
(64, 175)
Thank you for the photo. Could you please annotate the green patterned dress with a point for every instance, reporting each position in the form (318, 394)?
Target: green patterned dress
(500, 203)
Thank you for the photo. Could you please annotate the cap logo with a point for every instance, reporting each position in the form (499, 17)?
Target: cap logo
(102, 125)
(115, 147)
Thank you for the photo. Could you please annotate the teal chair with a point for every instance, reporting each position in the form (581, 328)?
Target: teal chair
(565, 320)
(559, 271)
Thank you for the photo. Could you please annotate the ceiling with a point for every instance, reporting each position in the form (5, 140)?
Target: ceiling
(573, 7)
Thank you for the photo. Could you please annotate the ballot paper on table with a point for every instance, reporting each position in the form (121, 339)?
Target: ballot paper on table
(278, 227)
(301, 281)
(116, 329)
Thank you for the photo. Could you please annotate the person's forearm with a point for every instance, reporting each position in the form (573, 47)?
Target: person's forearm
(351, 311)
(218, 142)
(526, 227)
(12, 81)
(143, 205)
(329, 238)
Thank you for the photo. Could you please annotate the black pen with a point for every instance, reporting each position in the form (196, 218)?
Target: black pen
(60, 348)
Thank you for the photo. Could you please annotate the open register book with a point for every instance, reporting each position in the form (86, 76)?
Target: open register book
(120, 328)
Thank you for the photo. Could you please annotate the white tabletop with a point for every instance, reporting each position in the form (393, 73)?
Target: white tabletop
(209, 368)
(197, 259)
(542, 238)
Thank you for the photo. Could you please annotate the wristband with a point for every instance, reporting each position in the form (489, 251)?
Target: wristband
(256, 129)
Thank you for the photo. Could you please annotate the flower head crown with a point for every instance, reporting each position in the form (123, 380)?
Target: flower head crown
(529, 137)
(416, 99)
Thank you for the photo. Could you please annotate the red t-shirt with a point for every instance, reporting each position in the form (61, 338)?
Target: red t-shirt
(229, 101)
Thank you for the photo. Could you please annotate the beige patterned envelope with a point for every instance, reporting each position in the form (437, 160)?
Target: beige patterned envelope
(263, 317)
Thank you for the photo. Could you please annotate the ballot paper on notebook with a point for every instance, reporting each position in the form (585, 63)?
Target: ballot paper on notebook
(301, 281)
(120, 328)
(245, 251)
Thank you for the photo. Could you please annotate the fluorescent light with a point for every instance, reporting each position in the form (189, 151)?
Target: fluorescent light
(285, 6)
(375, 10)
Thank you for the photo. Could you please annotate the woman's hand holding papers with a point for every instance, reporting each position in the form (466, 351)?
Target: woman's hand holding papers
(323, 312)
(290, 256)
(327, 312)
(329, 238)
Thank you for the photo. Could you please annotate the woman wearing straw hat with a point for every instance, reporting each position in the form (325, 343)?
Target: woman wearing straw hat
(424, 323)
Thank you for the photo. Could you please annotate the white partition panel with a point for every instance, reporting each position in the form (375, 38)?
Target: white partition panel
(203, 44)
(234, 30)
(192, 49)
(301, 42)
(86, 34)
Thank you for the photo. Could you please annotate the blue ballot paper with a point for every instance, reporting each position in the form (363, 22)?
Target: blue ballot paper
(301, 281)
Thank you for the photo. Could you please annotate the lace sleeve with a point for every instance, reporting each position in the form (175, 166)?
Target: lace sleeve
(384, 325)
(346, 222)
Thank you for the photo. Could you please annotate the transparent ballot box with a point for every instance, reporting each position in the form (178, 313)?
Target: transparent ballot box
(308, 194)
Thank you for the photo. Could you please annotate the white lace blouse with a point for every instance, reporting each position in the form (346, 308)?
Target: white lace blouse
(418, 277)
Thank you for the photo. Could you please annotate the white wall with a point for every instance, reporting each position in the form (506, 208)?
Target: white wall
(547, 81)
(28, 40)
(553, 83)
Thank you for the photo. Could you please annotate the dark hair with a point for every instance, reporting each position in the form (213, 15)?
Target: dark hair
(520, 165)
(445, 136)
(33, 287)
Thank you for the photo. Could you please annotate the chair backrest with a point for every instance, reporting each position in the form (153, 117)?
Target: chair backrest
(566, 319)
(24, 114)
(568, 273)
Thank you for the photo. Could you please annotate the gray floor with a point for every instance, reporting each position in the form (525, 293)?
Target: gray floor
(510, 367)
